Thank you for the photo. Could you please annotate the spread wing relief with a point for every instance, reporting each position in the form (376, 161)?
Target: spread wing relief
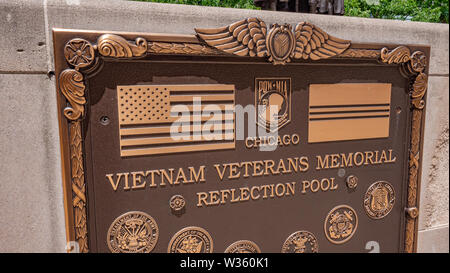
(244, 38)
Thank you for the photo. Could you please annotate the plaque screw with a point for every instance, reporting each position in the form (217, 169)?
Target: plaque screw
(104, 120)
(352, 181)
(412, 212)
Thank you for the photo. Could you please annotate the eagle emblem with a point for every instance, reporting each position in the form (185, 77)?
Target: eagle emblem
(250, 37)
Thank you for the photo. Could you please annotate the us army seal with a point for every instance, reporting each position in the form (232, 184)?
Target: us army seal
(379, 199)
(340, 224)
(133, 232)
(243, 246)
(191, 240)
(300, 242)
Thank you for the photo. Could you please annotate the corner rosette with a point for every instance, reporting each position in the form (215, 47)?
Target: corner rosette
(79, 53)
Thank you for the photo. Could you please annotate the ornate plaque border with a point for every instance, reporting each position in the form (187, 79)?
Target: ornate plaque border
(80, 54)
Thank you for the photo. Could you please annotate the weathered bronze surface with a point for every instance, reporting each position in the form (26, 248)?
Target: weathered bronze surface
(346, 166)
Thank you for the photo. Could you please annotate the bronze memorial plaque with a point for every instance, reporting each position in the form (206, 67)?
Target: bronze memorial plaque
(245, 138)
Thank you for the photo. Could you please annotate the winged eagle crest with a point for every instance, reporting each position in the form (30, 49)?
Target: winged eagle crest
(250, 37)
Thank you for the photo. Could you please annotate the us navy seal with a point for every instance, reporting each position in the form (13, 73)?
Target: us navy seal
(191, 240)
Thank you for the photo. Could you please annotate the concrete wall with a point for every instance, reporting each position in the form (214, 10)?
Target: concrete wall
(31, 214)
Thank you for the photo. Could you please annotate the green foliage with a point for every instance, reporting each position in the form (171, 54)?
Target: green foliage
(435, 11)
(240, 4)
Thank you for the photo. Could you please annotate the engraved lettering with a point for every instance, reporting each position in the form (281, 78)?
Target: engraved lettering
(137, 183)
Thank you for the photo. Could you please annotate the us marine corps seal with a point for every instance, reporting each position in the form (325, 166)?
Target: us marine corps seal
(340, 224)
(379, 199)
(133, 232)
(191, 240)
(300, 242)
(243, 246)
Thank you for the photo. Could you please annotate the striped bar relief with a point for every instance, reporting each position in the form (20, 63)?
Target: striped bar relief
(148, 115)
(348, 111)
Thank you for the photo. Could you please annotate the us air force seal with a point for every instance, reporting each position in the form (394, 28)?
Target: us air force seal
(300, 242)
(133, 232)
(340, 224)
(379, 199)
(191, 240)
(243, 246)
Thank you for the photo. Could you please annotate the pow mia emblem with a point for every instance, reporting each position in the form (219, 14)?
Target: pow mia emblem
(379, 199)
(300, 242)
(340, 224)
(243, 246)
(191, 240)
(273, 102)
(133, 232)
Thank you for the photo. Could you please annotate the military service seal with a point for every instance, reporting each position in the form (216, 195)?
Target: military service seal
(300, 242)
(379, 199)
(340, 224)
(133, 232)
(243, 246)
(191, 240)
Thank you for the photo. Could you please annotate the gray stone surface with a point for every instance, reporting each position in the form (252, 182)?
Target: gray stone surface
(155, 17)
(22, 30)
(433, 240)
(435, 177)
(32, 214)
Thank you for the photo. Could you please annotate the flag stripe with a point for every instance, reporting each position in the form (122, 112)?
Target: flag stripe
(348, 115)
(221, 107)
(348, 129)
(178, 149)
(349, 93)
(160, 130)
(173, 119)
(185, 87)
(347, 109)
(164, 140)
(208, 98)
(193, 133)
(348, 105)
